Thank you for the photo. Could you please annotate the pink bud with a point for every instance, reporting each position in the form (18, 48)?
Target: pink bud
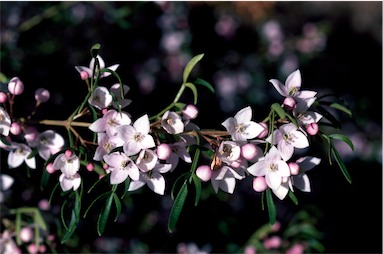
(26, 234)
(312, 128)
(15, 86)
(259, 184)
(32, 248)
(297, 248)
(42, 248)
(249, 151)
(236, 163)
(44, 205)
(68, 153)
(204, 173)
(276, 226)
(84, 75)
(42, 95)
(90, 167)
(104, 111)
(294, 168)
(289, 103)
(164, 151)
(15, 128)
(190, 112)
(250, 250)
(3, 97)
(30, 134)
(265, 131)
(272, 242)
(50, 168)
(105, 166)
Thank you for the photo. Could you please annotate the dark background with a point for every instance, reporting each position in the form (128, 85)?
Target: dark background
(41, 42)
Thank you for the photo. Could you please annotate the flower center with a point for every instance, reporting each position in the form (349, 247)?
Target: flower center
(293, 91)
(240, 128)
(273, 167)
(138, 137)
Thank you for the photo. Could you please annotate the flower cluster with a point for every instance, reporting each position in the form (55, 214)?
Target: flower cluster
(143, 151)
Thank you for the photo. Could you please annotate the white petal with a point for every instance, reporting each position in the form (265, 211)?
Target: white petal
(114, 159)
(282, 191)
(228, 184)
(118, 176)
(142, 124)
(301, 140)
(308, 162)
(281, 89)
(285, 150)
(294, 80)
(15, 159)
(135, 185)
(6, 182)
(273, 180)
(133, 170)
(157, 183)
(258, 169)
(305, 94)
(253, 129)
(148, 142)
(283, 168)
(244, 115)
(31, 162)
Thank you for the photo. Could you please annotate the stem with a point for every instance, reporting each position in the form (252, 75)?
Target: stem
(64, 123)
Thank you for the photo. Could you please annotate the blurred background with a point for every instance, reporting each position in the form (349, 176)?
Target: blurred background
(336, 45)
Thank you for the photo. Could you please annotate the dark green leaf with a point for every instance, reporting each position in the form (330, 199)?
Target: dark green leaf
(177, 207)
(32, 153)
(342, 138)
(198, 188)
(293, 197)
(341, 165)
(95, 200)
(271, 207)
(194, 89)
(4, 140)
(341, 108)
(104, 215)
(189, 67)
(205, 84)
(178, 182)
(117, 202)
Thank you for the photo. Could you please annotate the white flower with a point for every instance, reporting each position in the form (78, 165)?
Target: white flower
(68, 182)
(224, 178)
(153, 178)
(47, 143)
(240, 127)
(105, 145)
(272, 167)
(6, 182)
(19, 154)
(67, 162)
(292, 87)
(100, 98)
(110, 121)
(89, 69)
(116, 90)
(229, 151)
(172, 122)
(303, 116)
(136, 137)
(5, 122)
(146, 160)
(178, 152)
(301, 181)
(121, 166)
(288, 137)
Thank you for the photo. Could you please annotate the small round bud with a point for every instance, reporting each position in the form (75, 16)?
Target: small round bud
(15, 128)
(30, 134)
(164, 151)
(32, 248)
(15, 86)
(259, 184)
(68, 153)
(42, 95)
(26, 234)
(265, 131)
(272, 242)
(294, 168)
(312, 128)
(3, 97)
(42, 248)
(249, 151)
(44, 205)
(289, 103)
(236, 163)
(190, 112)
(204, 173)
(84, 75)
(50, 169)
(90, 167)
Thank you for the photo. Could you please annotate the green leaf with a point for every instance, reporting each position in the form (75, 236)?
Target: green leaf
(95, 200)
(198, 188)
(32, 153)
(194, 89)
(189, 67)
(117, 202)
(279, 110)
(293, 197)
(271, 207)
(342, 138)
(177, 183)
(104, 215)
(341, 108)
(177, 207)
(95, 49)
(72, 227)
(341, 165)
(179, 105)
(205, 84)
(5, 141)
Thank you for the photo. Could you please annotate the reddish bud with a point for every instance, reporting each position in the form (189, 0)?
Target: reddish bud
(289, 103)
(265, 131)
(190, 112)
(15, 86)
(3, 97)
(312, 128)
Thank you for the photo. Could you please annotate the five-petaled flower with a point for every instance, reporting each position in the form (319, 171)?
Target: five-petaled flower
(89, 70)
(121, 166)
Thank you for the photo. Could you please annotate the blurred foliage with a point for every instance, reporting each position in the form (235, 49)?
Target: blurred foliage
(41, 42)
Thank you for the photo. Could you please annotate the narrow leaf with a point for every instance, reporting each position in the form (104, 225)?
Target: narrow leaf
(341, 108)
(205, 84)
(342, 138)
(293, 197)
(117, 202)
(277, 108)
(271, 207)
(198, 188)
(32, 153)
(189, 67)
(104, 215)
(341, 165)
(194, 89)
(177, 207)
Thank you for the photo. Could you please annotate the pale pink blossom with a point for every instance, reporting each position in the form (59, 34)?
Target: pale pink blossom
(19, 154)
(100, 98)
(179, 151)
(225, 177)
(89, 70)
(5, 122)
(172, 122)
(68, 182)
(47, 143)
(68, 163)
(121, 166)
(110, 121)
(105, 145)
(147, 159)
(229, 151)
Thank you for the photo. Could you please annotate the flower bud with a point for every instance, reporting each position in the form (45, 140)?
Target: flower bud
(50, 169)
(164, 151)
(289, 103)
(294, 168)
(26, 234)
(32, 248)
(312, 128)
(84, 75)
(272, 242)
(42, 95)
(249, 151)
(90, 167)
(259, 184)
(68, 153)
(15, 86)
(31, 134)
(3, 97)
(15, 128)
(265, 131)
(204, 173)
(190, 112)
(44, 205)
